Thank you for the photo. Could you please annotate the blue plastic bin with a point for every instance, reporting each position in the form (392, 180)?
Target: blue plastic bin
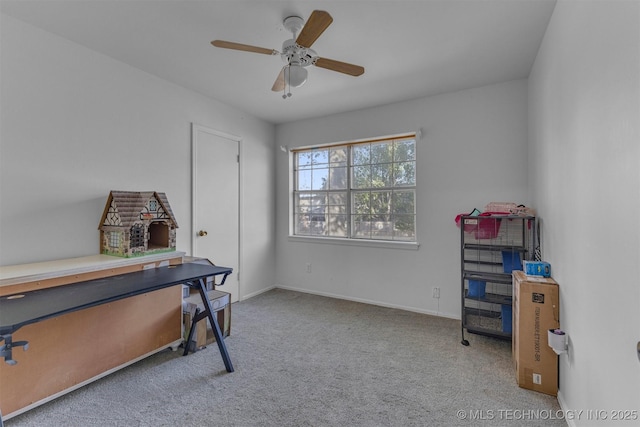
(506, 318)
(511, 261)
(476, 288)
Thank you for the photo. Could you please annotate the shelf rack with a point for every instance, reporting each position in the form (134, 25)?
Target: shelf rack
(490, 248)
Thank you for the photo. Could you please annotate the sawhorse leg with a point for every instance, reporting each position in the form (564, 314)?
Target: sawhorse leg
(208, 313)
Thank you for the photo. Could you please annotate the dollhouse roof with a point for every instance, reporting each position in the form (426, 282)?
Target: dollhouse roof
(128, 206)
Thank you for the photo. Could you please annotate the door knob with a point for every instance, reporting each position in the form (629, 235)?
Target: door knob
(202, 233)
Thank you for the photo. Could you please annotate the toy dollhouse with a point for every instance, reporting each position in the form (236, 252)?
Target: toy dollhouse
(137, 223)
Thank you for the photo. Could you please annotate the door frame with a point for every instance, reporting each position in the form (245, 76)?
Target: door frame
(195, 128)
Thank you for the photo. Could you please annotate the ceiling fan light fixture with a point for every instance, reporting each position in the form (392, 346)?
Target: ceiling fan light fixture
(295, 75)
(296, 53)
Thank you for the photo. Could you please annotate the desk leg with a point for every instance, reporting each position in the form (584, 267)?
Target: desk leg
(208, 311)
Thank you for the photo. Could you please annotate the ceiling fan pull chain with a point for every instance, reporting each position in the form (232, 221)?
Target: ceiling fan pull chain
(284, 86)
(287, 81)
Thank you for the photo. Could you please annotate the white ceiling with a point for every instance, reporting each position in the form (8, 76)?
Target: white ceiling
(409, 49)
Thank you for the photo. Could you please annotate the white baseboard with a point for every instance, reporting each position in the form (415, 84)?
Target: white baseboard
(261, 291)
(563, 405)
(363, 300)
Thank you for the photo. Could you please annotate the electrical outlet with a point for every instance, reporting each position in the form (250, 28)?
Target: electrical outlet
(436, 292)
(308, 267)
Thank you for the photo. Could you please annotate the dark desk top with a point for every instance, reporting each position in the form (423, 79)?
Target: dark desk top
(35, 306)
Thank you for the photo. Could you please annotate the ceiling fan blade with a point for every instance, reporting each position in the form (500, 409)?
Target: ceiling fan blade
(341, 67)
(315, 26)
(278, 85)
(244, 47)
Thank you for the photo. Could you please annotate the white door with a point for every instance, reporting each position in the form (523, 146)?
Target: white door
(216, 207)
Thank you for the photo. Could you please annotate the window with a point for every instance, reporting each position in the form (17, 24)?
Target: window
(363, 190)
(114, 239)
(136, 237)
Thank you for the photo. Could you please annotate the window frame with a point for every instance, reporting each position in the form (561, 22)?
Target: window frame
(348, 192)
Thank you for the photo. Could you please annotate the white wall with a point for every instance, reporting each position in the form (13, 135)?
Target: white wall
(77, 124)
(473, 152)
(584, 158)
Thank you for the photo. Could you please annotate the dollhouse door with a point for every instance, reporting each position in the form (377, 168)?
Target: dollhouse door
(216, 196)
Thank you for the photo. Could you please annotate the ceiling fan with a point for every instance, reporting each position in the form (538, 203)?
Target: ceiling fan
(297, 53)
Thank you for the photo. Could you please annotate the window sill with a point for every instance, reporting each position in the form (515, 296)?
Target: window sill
(391, 244)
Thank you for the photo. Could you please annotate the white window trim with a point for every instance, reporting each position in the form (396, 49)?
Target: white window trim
(390, 244)
(342, 241)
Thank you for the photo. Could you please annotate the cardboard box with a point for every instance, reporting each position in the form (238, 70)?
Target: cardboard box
(536, 309)
(203, 334)
(210, 281)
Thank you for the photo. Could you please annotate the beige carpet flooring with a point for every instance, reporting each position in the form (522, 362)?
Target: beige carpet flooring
(307, 360)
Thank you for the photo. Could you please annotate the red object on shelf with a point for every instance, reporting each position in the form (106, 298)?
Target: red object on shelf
(484, 226)
(468, 226)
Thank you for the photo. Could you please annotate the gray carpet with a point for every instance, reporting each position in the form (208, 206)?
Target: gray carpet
(306, 360)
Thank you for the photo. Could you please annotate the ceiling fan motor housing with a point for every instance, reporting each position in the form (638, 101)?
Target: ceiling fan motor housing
(294, 54)
(293, 24)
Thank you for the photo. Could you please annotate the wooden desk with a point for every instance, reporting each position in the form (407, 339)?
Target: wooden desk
(20, 310)
(74, 349)
(25, 308)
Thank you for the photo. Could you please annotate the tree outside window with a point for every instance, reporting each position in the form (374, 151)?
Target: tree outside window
(363, 190)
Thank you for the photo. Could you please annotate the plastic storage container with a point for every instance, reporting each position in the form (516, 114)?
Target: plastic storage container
(483, 226)
(507, 312)
(476, 288)
(511, 261)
